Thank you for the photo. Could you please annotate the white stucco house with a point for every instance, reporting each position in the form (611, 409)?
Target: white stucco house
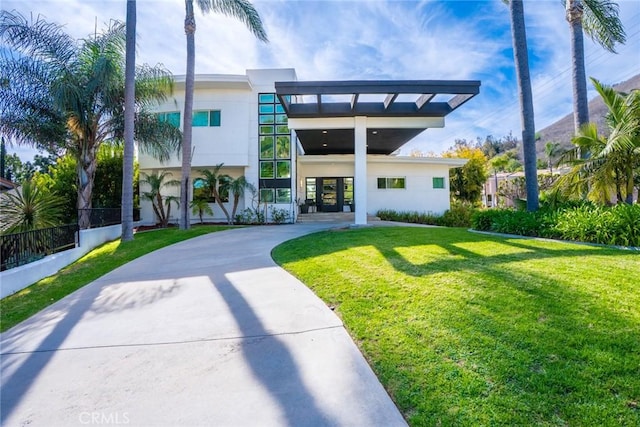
(331, 143)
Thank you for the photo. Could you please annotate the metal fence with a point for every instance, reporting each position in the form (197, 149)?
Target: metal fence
(22, 248)
(102, 217)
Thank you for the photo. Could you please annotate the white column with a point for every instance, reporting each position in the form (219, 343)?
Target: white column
(360, 178)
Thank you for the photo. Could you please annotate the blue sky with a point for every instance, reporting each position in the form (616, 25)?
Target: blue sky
(331, 40)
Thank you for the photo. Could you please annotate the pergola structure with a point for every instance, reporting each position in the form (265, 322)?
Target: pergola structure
(367, 117)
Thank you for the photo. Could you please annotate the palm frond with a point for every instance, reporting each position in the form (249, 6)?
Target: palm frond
(242, 10)
(601, 22)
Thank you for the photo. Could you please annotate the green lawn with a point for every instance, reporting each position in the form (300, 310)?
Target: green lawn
(24, 304)
(469, 329)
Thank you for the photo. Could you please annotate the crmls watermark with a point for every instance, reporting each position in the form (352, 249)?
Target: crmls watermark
(104, 418)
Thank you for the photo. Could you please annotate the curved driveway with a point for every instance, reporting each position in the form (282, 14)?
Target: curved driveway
(206, 332)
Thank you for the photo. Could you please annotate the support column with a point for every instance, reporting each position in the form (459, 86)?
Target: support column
(360, 175)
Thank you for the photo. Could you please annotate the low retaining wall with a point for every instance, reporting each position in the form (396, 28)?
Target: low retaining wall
(16, 279)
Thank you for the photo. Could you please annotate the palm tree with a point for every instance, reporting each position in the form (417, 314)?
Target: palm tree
(613, 166)
(61, 93)
(200, 206)
(216, 184)
(161, 203)
(129, 122)
(600, 21)
(238, 186)
(521, 58)
(551, 151)
(29, 208)
(242, 10)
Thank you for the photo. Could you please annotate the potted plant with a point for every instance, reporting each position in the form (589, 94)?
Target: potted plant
(304, 207)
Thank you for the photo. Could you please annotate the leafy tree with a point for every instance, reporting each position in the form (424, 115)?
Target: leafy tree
(61, 179)
(60, 92)
(242, 10)
(521, 58)
(157, 182)
(468, 181)
(611, 170)
(29, 208)
(600, 21)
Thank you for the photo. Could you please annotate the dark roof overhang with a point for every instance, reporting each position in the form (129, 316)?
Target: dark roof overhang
(395, 98)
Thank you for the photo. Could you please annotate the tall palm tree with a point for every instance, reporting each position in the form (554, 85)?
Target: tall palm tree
(242, 10)
(521, 58)
(129, 122)
(61, 93)
(612, 169)
(29, 208)
(600, 21)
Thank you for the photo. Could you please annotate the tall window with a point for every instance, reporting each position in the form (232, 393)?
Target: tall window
(274, 150)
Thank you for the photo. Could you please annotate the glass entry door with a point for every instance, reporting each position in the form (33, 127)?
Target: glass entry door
(330, 194)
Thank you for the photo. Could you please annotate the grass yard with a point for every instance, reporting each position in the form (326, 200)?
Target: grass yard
(470, 329)
(24, 304)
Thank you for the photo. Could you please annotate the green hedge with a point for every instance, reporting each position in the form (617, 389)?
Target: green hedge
(617, 225)
(458, 216)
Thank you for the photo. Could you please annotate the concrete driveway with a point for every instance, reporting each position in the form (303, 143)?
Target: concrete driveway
(207, 332)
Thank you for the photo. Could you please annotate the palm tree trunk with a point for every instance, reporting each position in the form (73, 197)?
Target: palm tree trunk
(129, 121)
(189, 29)
(574, 14)
(521, 58)
(87, 164)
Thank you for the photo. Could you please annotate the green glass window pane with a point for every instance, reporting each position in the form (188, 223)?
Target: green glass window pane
(266, 98)
(438, 182)
(266, 119)
(161, 117)
(283, 169)
(396, 183)
(173, 118)
(382, 183)
(283, 195)
(282, 129)
(279, 109)
(266, 195)
(214, 118)
(266, 170)
(266, 130)
(282, 119)
(265, 109)
(200, 118)
(266, 147)
(283, 147)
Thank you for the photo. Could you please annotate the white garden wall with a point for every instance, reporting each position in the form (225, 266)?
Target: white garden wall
(16, 279)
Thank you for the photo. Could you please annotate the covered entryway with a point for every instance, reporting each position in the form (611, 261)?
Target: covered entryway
(364, 118)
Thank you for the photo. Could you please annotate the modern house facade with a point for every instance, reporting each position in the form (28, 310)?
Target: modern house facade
(331, 144)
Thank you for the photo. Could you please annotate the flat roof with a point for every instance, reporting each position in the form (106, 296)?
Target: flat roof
(371, 98)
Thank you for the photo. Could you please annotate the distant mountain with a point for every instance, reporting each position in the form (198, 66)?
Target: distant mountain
(562, 130)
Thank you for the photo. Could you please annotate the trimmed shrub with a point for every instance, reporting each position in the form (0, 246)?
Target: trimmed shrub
(458, 216)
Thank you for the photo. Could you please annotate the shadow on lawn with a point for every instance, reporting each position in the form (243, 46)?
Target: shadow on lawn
(506, 342)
